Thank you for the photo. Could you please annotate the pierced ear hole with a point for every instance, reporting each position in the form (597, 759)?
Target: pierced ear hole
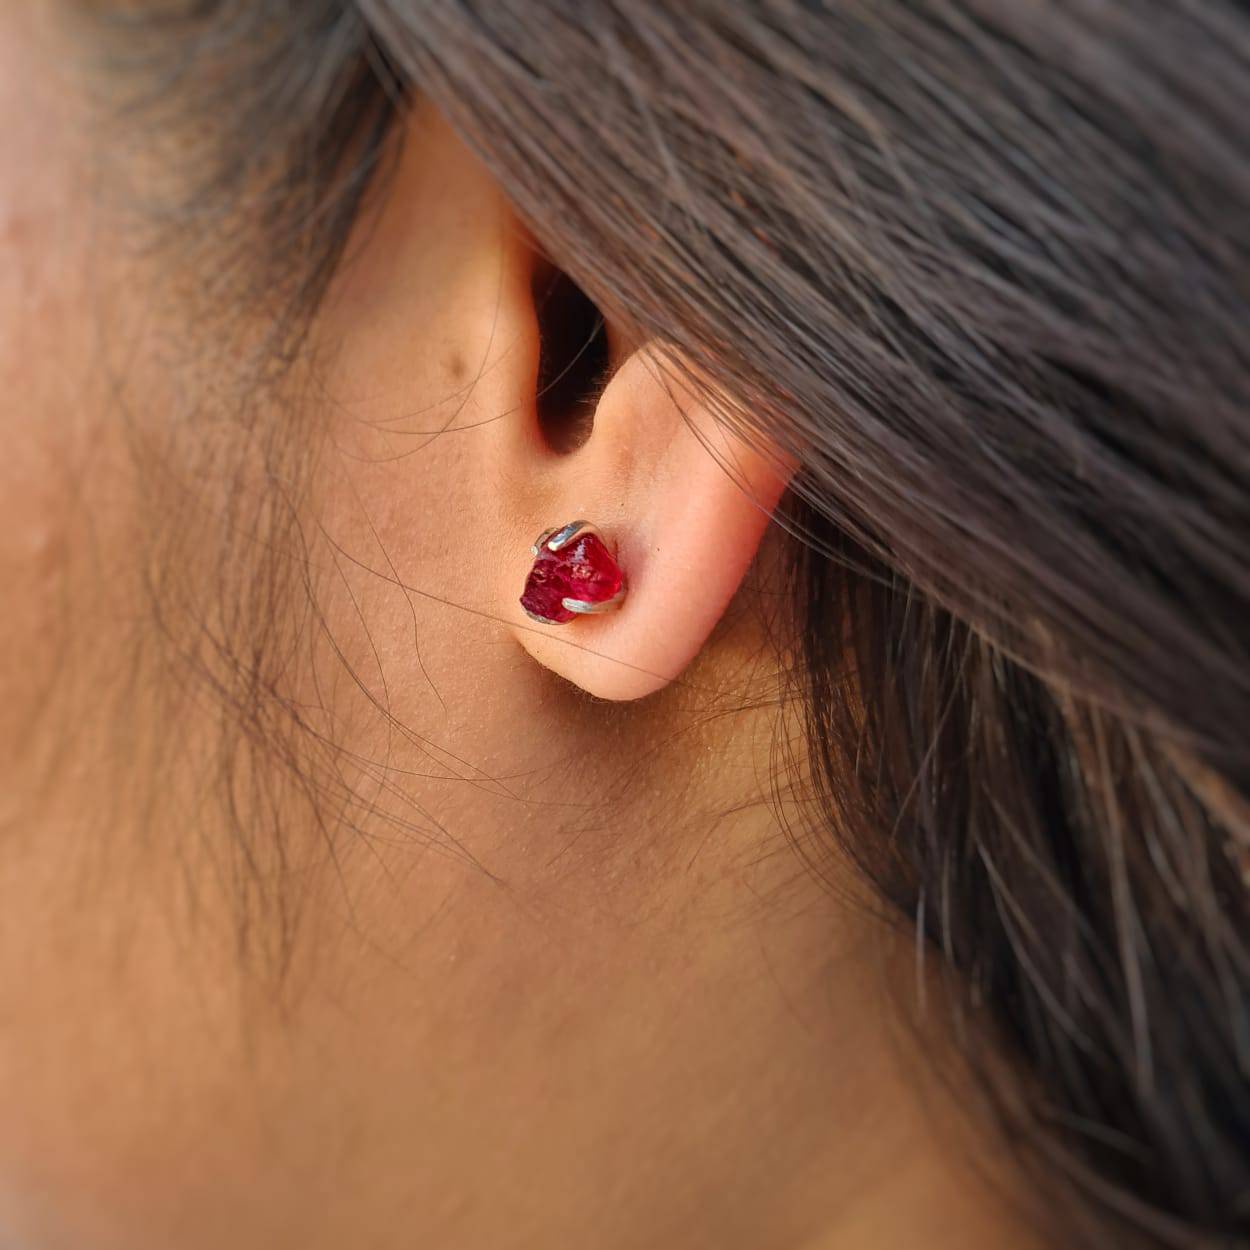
(574, 359)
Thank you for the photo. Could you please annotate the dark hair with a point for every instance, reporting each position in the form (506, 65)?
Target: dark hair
(985, 269)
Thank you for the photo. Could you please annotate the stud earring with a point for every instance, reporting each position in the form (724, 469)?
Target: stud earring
(574, 574)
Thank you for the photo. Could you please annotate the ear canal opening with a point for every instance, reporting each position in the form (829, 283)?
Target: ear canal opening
(574, 359)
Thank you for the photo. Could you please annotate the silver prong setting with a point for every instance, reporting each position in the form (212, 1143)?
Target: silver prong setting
(555, 539)
(582, 608)
(560, 536)
(541, 620)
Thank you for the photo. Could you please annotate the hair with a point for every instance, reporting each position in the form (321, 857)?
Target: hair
(984, 269)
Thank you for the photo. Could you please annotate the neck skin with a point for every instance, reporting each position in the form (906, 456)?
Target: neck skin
(633, 1023)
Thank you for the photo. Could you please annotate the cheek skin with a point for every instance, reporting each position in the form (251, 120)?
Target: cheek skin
(39, 299)
(104, 1003)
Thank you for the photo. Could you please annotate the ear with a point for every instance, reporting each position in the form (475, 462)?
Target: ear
(681, 500)
(485, 400)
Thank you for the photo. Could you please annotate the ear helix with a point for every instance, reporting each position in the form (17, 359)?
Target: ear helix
(574, 574)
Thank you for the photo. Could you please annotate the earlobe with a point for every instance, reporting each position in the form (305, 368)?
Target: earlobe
(680, 503)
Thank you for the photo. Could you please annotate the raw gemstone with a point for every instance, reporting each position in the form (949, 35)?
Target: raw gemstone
(584, 569)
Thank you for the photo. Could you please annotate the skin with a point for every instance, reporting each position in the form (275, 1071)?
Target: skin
(533, 969)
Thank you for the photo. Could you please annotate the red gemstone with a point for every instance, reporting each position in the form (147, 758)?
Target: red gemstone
(583, 569)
